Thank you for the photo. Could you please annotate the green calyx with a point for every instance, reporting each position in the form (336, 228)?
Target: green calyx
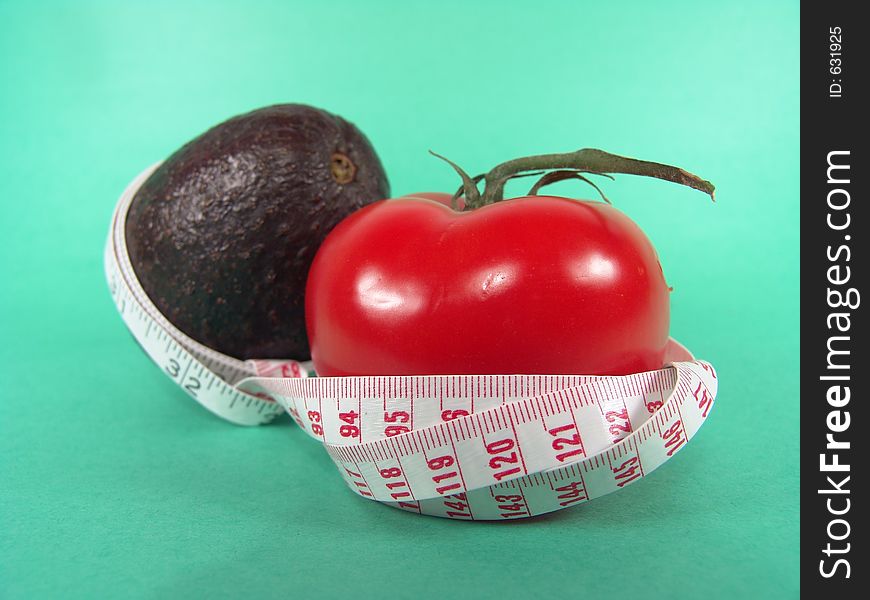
(559, 167)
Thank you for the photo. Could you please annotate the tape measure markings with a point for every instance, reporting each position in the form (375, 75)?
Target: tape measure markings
(366, 464)
(333, 392)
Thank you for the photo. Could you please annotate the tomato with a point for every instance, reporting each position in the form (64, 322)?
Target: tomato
(536, 284)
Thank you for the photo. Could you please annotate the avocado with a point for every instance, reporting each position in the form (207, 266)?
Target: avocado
(223, 232)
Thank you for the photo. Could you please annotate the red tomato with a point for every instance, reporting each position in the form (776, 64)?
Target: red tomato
(530, 285)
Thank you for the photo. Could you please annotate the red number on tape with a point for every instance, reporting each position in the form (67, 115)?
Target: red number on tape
(449, 415)
(397, 416)
(499, 448)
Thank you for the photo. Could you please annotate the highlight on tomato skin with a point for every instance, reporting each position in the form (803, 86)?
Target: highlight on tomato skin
(535, 284)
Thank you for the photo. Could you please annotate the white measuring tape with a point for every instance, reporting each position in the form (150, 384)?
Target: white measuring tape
(465, 447)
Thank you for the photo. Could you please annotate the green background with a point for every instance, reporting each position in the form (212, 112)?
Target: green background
(113, 483)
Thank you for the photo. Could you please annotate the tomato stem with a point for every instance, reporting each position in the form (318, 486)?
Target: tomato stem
(469, 185)
(587, 160)
(561, 175)
(568, 165)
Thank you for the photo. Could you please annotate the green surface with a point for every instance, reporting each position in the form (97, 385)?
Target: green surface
(115, 484)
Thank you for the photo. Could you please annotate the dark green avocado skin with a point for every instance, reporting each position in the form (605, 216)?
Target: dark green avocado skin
(222, 234)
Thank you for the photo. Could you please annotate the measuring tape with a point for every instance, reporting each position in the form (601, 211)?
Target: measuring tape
(468, 447)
